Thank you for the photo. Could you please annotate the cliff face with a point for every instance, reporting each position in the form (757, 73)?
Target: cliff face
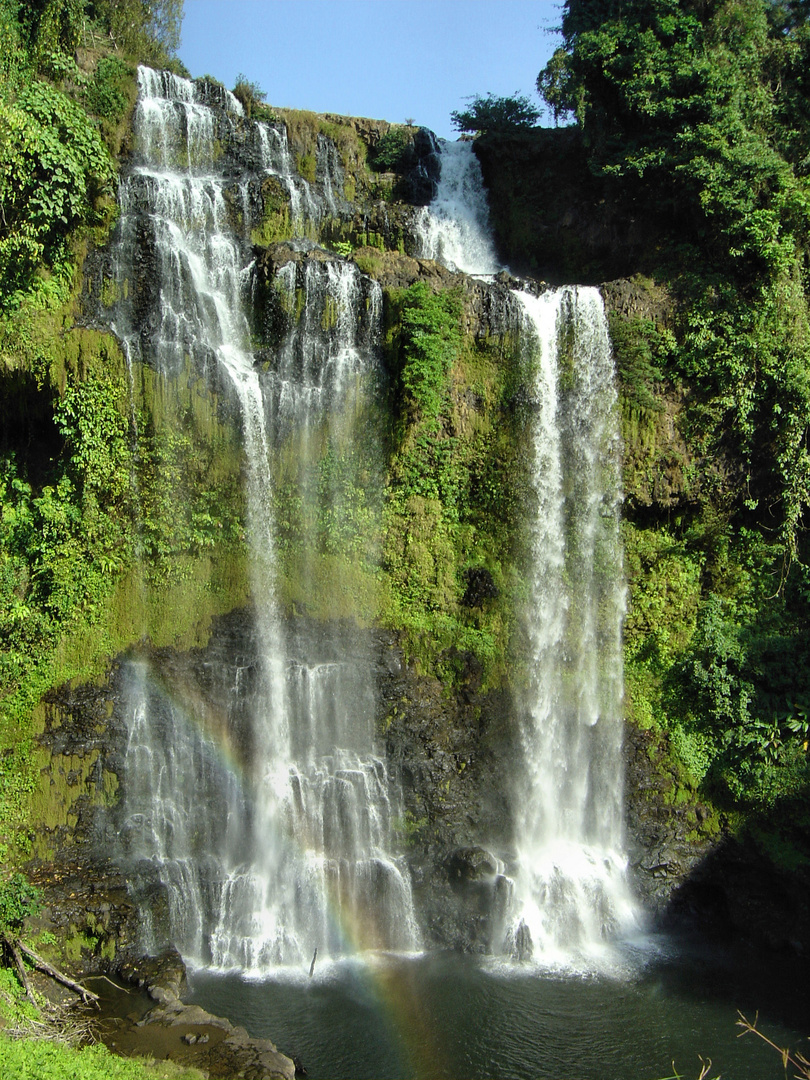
(427, 601)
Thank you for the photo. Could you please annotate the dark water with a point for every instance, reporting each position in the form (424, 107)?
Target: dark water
(467, 1018)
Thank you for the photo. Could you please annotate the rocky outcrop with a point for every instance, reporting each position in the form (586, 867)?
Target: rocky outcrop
(737, 892)
(454, 755)
(665, 843)
(553, 218)
(187, 1034)
(695, 875)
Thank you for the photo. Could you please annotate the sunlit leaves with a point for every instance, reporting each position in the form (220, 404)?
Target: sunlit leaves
(53, 169)
(496, 114)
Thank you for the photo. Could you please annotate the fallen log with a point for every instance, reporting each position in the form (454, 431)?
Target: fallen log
(13, 948)
(87, 996)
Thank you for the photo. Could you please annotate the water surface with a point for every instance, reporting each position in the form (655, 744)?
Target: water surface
(468, 1018)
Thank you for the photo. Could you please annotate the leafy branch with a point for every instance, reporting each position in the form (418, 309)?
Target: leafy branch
(798, 1061)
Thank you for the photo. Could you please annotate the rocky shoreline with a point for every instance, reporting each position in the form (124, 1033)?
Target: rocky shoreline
(162, 1026)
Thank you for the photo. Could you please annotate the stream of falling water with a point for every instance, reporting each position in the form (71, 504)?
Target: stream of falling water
(274, 837)
(570, 895)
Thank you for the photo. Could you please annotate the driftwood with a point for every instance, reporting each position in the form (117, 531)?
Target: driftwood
(16, 948)
(48, 969)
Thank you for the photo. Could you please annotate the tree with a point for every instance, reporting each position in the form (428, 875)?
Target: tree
(552, 85)
(496, 114)
(54, 25)
(147, 30)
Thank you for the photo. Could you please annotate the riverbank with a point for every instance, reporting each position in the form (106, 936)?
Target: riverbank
(144, 1015)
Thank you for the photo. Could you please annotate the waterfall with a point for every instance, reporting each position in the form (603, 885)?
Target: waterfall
(262, 805)
(454, 228)
(570, 894)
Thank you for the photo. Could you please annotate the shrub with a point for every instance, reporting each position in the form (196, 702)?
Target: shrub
(387, 155)
(19, 899)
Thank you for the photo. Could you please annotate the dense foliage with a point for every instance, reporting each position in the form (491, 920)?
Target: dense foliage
(697, 115)
(67, 530)
(701, 111)
(389, 151)
(452, 513)
(18, 900)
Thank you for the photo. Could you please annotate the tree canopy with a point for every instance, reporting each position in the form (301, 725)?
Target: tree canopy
(496, 114)
(700, 109)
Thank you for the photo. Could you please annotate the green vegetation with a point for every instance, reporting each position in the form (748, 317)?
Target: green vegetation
(24, 1058)
(146, 31)
(250, 94)
(389, 151)
(86, 567)
(429, 342)
(701, 113)
(18, 900)
(454, 482)
(696, 117)
(496, 115)
(55, 172)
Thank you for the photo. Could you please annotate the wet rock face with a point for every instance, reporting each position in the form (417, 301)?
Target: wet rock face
(480, 587)
(85, 895)
(452, 754)
(422, 170)
(661, 852)
(736, 892)
(554, 219)
(719, 887)
(449, 753)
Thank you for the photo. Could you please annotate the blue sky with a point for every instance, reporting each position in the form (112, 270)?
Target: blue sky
(388, 59)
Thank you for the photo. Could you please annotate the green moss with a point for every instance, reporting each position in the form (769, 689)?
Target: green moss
(111, 561)
(276, 223)
(76, 943)
(454, 492)
(370, 261)
(330, 587)
(306, 165)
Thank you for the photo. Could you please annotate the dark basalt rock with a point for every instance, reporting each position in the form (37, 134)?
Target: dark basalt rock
(522, 945)
(420, 178)
(737, 892)
(661, 845)
(554, 219)
(471, 864)
(453, 756)
(716, 885)
(480, 587)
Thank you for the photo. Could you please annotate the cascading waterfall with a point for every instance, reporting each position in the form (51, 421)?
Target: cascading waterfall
(454, 228)
(264, 809)
(570, 892)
